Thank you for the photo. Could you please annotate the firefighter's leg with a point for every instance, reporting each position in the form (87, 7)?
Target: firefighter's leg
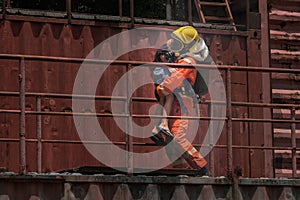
(161, 132)
(191, 155)
(166, 111)
(159, 111)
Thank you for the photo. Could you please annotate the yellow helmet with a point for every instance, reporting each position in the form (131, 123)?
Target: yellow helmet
(184, 38)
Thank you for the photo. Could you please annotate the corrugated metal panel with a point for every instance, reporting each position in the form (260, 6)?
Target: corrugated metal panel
(285, 53)
(38, 36)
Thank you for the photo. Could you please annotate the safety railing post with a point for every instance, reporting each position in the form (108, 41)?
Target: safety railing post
(211, 145)
(190, 15)
(121, 8)
(4, 5)
(128, 111)
(22, 130)
(230, 174)
(131, 7)
(294, 144)
(229, 122)
(69, 10)
(39, 135)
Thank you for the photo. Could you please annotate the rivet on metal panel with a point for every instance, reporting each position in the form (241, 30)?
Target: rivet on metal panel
(28, 107)
(52, 102)
(251, 152)
(46, 120)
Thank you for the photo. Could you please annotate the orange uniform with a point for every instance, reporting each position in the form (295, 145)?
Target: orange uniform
(179, 127)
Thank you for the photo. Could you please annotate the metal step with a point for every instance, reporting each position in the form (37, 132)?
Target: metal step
(207, 3)
(219, 19)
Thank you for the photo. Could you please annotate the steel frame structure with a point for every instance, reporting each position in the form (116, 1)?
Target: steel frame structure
(22, 94)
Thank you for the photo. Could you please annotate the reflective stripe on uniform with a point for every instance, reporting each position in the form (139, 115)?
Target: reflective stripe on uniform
(187, 60)
(192, 151)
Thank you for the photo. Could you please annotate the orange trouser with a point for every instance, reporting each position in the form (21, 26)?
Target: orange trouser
(180, 127)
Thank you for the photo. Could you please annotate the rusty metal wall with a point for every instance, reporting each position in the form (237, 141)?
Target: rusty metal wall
(53, 37)
(285, 53)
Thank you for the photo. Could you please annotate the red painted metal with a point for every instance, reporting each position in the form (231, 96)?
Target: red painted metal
(294, 144)
(55, 76)
(228, 67)
(22, 127)
(229, 122)
(39, 135)
(284, 44)
(69, 10)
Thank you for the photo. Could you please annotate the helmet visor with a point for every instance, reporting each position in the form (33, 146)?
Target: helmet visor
(175, 45)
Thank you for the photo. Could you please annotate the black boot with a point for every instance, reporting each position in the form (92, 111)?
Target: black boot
(203, 172)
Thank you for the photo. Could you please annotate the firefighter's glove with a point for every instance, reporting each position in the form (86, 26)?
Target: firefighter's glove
(163, 91)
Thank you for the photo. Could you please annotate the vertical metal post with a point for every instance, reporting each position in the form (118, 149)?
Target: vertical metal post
(39, 135)
(132, 12)
(120, 8)
(190, 15)
(128, 111)
(211, 146)
(294, 144)
(229, 136)
(266, 86)
(168, 10)
(22, 129)
(229, 122)
(247, 14)
(4, 5)
(69, 10)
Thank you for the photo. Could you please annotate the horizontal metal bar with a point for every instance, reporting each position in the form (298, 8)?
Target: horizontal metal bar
(149, 116)
(149, 64)
(146, 144)
(208, 3)
(144, 99)
(214, 18)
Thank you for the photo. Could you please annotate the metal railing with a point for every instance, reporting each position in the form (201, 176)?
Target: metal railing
(22, 112)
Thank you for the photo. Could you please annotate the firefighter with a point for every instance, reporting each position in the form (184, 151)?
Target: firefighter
(186, 42)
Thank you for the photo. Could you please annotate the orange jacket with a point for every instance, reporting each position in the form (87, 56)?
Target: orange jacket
(175, 80)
